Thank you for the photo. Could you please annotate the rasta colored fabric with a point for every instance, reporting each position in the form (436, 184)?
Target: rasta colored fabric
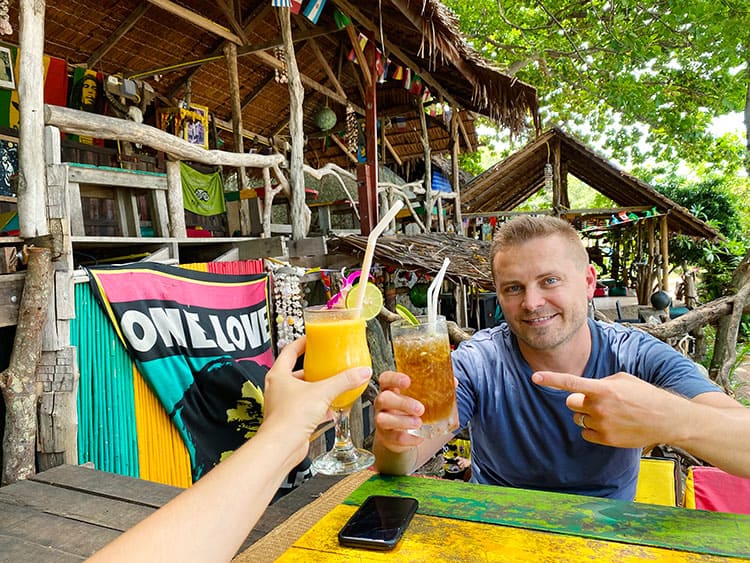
(203, 194)
(202, 341)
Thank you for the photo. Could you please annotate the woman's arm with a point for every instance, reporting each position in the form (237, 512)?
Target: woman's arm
(210, 520)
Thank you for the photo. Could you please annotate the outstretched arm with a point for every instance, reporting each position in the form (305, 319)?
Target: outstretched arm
(624, 411)
(210, 520)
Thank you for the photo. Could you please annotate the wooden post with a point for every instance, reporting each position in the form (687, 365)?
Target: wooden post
(368, 174)
(557, 191)
(300, 214)
(174, 200)
(664, 254)
(32, 198)
(230, 52)
(455, 145)
(427, 168)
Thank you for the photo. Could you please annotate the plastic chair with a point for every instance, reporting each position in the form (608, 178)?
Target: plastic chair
(710, 488)
(657, 482)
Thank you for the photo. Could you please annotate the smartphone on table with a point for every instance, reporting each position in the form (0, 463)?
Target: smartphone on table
(378, 523)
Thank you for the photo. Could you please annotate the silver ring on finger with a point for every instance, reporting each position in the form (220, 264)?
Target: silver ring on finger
(582, 421)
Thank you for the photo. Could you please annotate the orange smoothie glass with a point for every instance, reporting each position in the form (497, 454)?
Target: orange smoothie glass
(423, 353)
(337, 341)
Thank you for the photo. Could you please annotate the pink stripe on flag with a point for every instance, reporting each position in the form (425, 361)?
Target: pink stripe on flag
(126, 286)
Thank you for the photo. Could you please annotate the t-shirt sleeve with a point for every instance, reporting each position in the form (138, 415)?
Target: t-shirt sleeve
(463, 359)
(660, 364)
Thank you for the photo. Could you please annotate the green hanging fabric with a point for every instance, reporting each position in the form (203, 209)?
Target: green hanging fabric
(202, 194)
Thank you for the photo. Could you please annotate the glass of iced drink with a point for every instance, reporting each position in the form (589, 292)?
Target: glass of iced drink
(422, 352)
(337, 341)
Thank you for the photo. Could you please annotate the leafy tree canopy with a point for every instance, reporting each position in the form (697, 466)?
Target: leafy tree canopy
(626, 74)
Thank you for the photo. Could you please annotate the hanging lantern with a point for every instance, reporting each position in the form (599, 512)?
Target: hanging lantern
(280, 74)
(548, 176)
(325, 118)
(351, 128)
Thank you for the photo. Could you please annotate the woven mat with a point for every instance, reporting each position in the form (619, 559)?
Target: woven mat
(281, 538)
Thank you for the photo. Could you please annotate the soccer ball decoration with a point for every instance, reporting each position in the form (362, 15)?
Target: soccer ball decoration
(325, 118)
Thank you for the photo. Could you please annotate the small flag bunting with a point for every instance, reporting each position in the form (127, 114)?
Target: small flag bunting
(281, 3)
(314, 9)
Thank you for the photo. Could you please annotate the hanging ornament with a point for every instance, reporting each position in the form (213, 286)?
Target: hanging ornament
(5, 27)
(325, 118)
(280, 74)
(548, 176)
(351, 129)
(288, 303)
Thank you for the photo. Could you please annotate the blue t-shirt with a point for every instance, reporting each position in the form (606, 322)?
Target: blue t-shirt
(523, 434)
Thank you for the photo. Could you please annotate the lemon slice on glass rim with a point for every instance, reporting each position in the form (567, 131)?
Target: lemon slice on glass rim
(372, 304)
(406, 314)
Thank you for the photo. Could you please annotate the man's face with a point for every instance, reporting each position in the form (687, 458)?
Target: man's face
(88, 92)
(543, 291)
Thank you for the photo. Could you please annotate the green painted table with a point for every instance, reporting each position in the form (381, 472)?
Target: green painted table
(459, 521)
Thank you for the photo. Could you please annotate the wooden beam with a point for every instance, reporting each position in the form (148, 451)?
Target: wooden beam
(273, 62)
(391, 150)
(430, 80)
(197, 20)
(326, 67)
(256, 91)
(121, 30)
(257, 137)
(234, 24)
(361, 59)
(464, 133)
(344, 148)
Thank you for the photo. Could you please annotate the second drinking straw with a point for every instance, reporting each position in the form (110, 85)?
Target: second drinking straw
(370, 250)
(433, 292)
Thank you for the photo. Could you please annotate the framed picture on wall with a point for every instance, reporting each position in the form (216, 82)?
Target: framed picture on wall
(7, 80)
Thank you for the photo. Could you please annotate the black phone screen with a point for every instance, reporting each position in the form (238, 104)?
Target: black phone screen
(379, 522)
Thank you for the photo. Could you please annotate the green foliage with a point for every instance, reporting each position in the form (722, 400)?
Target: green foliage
(709, 200)
(642, 79)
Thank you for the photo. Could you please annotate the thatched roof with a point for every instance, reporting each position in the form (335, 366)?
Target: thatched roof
(171, 44)
(511, 182)
(425, 253)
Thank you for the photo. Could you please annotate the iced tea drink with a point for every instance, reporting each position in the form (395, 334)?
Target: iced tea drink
(423, 353)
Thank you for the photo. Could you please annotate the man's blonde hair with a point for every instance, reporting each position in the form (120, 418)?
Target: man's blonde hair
(524, 228)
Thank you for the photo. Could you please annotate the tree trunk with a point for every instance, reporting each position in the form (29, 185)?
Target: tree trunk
(300, 218)
(18, 382)
(726, 336)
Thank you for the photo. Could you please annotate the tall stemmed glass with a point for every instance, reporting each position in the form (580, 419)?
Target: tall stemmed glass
(336, 341)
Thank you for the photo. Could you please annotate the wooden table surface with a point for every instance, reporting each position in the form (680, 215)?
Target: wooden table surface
(68, 512)
(465, 522)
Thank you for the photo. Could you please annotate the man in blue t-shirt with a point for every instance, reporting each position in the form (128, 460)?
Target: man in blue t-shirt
(629, 390)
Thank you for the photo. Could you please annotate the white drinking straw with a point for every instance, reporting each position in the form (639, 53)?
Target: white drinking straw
(370, 250)
(433, 292)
